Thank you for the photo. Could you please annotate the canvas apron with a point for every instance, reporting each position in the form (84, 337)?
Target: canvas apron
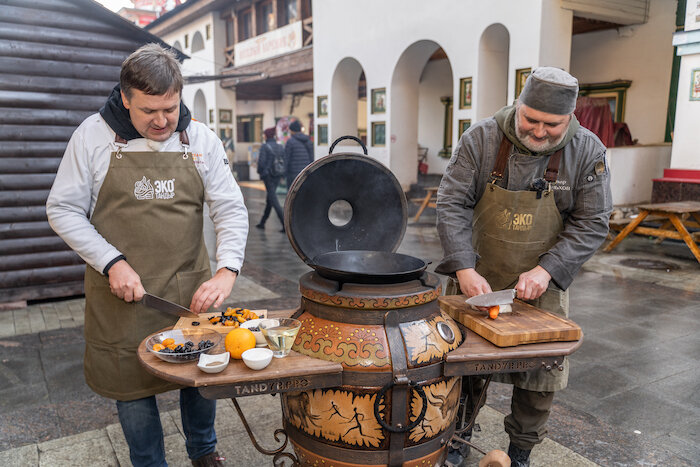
(511, 229)
(150, 208)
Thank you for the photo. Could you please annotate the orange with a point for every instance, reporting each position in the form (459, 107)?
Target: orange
(238, 341)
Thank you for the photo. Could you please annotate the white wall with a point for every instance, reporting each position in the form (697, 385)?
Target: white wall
(632, 169)
(388, 28)
(435, 83)
(640, 53)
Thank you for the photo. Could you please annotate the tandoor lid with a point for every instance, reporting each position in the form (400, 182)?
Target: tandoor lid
(345, 201)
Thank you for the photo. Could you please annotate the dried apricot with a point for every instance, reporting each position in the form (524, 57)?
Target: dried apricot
(253, 315)
(168, 341)
(229, 323)
(158, 347)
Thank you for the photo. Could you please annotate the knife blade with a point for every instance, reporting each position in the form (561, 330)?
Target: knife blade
(166, 306)
(502, 297)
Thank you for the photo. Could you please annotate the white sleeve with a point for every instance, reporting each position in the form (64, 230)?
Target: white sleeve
(226, 207)
(68, 205)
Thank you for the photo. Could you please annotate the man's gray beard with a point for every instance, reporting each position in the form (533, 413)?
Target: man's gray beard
(537, 147)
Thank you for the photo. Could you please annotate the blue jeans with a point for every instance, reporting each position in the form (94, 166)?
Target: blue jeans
(140, 422)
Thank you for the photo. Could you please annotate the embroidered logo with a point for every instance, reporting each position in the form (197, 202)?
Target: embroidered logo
(197, 158)
(143, 189)
(508, 220)
(165, 189)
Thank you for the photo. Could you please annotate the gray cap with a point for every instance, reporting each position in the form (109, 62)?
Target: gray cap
(550, 90)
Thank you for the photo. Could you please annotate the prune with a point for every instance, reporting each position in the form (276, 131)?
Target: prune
(195, 323)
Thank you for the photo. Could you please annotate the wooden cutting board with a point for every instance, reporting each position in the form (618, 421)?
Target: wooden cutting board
(526, 324)
(203, 319)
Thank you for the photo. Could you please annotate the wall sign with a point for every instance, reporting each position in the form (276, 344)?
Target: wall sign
(276, 42)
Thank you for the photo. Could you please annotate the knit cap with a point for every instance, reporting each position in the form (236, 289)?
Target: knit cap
(550, 90)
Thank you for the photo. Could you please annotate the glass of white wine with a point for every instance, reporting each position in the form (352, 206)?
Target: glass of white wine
(280, 334)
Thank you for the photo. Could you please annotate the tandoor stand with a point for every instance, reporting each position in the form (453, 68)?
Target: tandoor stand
(296, 372)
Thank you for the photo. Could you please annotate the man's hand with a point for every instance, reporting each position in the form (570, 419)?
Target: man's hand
(533, 283)
(124, 282)
(472, 283)
(214, 291)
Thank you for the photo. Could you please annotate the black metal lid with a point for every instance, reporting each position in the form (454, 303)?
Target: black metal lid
(345, 201)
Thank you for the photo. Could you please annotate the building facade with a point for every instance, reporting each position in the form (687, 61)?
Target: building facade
(258, 55)
(433, 68)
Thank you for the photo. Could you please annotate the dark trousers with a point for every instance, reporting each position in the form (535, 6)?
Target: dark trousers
(271, 200)
(525, 424)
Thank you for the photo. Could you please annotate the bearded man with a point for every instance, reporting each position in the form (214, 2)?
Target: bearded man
(524, 202)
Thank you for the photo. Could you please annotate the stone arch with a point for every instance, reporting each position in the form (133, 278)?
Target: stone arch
(197, 42)
(344, 99)
(403, 109)
(199, 107)
(177, 46)
(492, 80)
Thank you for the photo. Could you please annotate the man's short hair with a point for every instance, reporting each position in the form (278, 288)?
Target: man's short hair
(152, 70)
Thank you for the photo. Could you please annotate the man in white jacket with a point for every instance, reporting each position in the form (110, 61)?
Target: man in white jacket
(128, 198)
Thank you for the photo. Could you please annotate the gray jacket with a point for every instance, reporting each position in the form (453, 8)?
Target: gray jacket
(582, 195)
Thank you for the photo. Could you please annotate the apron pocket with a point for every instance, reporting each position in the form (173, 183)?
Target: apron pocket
(188, 283)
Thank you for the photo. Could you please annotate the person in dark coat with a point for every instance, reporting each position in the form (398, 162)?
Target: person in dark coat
(299, 152)
(269, 151)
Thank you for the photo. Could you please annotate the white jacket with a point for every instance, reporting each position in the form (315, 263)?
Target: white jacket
(84, 167)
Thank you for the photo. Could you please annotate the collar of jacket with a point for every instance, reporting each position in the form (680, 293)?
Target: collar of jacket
(118, 119)
(505, 118)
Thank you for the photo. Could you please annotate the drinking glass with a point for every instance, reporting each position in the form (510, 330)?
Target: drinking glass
(280, 334)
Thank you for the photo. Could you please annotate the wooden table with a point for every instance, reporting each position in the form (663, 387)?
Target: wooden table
(429, 201)
(298, 372)
(674, 219)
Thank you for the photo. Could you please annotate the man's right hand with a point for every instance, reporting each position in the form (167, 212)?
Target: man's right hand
(124, 282)
(472, 283)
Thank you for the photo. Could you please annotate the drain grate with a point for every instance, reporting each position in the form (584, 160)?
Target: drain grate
(649, 264)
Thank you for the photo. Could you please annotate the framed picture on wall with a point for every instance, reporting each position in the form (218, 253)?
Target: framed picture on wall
(462, 125)
(465, 93)
(322, 102)
(520, 78)
(225, 116)
(379, 100)
(378, 134)
(695, 85)
(322, 135)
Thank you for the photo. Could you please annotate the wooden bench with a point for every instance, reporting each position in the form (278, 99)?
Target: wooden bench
(428, 201)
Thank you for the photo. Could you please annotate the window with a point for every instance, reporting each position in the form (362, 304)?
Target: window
(230, 37)
(289, 12)
(207, 31)
(245, 26)
(266, 17)
(249, 128)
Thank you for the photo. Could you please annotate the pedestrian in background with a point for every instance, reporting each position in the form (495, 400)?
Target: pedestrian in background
(299, 152)
(271, 166)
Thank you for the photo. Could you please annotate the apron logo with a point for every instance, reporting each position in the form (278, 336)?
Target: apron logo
(143, 189)
(164, 189)
(508, 220)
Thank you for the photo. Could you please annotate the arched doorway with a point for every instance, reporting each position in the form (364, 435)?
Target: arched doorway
(348, 101)
(199, 107)
(177, 46)
(197, 42)
(420, 106)
(492, 81)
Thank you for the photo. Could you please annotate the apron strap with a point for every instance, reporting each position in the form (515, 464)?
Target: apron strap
(184, 140)
(501, 160)
(550, 175)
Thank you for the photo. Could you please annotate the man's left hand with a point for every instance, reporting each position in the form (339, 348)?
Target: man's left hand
(214, 291)
(533, 283)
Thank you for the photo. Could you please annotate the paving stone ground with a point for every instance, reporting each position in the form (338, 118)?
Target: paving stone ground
(632, 399)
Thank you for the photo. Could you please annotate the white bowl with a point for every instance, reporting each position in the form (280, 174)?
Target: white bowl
(257, 359)
(259, 338)
(213, 363)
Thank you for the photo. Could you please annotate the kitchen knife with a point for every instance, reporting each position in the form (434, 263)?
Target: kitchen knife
(502, 297)
(164, 305)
